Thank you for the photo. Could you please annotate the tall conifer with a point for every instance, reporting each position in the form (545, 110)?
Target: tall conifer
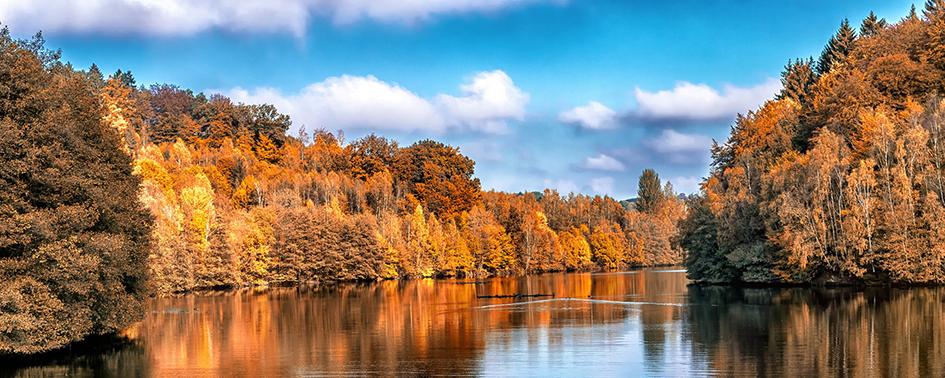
(837, 48)
(872, 25)
(797, 79)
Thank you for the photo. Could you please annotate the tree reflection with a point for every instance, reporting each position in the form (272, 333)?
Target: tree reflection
(820, 332)
(630, 323)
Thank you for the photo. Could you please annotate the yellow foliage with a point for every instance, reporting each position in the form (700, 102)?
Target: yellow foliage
(199, 212)
(180, 154)
(247, 194)
(608, 245)
(150, 170)
(576, 249)
(250, 235)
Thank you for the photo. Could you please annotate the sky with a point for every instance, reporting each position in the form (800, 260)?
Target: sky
(578, 96)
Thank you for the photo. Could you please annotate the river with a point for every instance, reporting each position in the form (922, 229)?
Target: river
(646, 322)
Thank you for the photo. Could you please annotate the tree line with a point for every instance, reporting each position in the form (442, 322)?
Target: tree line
(111, 192)
(243, 208)
(840, 178)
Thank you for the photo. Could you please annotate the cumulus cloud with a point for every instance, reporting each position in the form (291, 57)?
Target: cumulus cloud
(346, 102)
(680, 147)
(593, 116)
(186, 17)
(602, 185)
(700, 102)
(351, 102)
(684, 103)
(603, 162)
(488, 101)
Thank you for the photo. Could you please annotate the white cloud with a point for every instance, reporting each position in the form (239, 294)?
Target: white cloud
(187, 17)
(695, 102)
(351, 102)
(155, 17)
(686, 184)
(680, 147)
(594, 116)
(346, 102)
(602, 185)
(603, 162)
(488, 101)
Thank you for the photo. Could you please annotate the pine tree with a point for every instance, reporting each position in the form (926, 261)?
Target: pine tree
(872, 25)
(797, 79)
(837, 48)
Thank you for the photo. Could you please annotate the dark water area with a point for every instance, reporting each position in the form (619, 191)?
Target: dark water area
(646, 322)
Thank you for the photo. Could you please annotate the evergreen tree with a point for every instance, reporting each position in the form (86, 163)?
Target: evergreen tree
(872, 25)
(797, 79)
(699, 237)
(649, 192)
(837, 48)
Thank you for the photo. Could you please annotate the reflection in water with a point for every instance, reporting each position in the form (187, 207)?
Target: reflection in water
(645, 322)
(817, 332)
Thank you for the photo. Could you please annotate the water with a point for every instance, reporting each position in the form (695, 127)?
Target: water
(616, 324)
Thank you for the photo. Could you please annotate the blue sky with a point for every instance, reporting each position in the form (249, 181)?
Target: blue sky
(573, 95)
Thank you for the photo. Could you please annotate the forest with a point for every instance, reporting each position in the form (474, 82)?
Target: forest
(839, 179)
(111, 192)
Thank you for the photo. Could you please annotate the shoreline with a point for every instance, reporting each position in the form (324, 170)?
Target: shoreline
(317, 283)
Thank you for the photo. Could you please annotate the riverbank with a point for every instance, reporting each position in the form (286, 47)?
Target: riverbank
(314, 283)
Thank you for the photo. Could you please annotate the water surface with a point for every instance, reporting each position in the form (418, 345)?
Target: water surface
(636, 323)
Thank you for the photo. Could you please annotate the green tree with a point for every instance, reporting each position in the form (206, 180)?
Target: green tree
(699, 237)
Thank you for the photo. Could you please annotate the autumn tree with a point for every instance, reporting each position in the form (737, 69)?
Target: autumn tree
(438, 176)
(608, 246)
(419, 249)
(575, 248)
(649, 192)
(370, 155)
(489, 244)
(855, 196)
(73, 237)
